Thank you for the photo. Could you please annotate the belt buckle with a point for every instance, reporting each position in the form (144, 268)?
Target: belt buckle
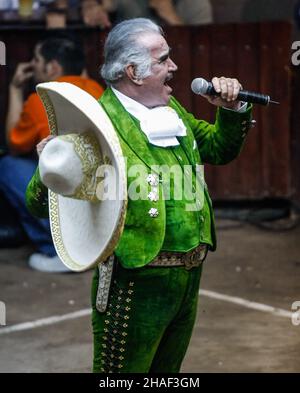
(190, 260)
(193, 259)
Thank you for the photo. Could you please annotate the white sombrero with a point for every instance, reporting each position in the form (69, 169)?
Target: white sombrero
(84, 170)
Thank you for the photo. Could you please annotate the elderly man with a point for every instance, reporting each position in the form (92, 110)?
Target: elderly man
(152, 303)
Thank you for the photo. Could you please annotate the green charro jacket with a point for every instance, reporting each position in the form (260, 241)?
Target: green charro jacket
(216, 144)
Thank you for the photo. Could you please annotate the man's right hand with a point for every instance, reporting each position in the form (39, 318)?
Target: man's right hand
(40, 146)
(22, 74)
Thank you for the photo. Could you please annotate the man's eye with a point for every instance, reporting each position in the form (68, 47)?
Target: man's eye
(163, 60)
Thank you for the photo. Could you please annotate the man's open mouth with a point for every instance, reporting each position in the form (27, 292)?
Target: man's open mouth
(168, 78)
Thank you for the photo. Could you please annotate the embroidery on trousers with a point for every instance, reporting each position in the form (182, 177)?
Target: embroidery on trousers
(115, 328)
(105, 274)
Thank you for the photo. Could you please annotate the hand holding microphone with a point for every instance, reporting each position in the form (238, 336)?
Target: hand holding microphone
(221, 92)
(226, 91)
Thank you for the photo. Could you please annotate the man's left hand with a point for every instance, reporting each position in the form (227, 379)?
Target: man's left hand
(40, 146)
(229, 89)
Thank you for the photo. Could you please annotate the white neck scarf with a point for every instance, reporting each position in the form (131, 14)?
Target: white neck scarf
(161, 125)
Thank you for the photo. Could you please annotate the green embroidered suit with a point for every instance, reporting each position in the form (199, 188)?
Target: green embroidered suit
(151, 310)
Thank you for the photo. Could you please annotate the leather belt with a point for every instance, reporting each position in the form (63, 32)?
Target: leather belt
(190, 259)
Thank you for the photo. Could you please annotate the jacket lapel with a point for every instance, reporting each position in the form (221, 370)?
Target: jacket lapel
(186, 142)
(126, 127)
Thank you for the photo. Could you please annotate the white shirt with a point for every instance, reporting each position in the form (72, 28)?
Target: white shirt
(162, 124)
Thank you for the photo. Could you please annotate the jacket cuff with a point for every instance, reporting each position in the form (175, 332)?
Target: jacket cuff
(236, 124)
(37, 196)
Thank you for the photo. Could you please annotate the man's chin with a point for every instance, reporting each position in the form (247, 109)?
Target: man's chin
(161, 100)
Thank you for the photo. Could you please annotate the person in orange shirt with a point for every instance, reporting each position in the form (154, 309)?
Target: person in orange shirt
(55, 59)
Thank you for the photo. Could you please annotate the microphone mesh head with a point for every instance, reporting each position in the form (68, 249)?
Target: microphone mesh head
(199, 86)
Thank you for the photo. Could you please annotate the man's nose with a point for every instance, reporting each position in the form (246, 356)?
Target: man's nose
(172, 66)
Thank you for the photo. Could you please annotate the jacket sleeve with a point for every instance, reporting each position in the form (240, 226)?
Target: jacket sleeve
(221, 142)
(37, 197)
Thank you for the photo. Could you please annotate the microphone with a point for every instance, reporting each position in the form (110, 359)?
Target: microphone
(201, 86)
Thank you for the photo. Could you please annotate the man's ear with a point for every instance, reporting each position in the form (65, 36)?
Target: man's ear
(54, 69)
(131, 74)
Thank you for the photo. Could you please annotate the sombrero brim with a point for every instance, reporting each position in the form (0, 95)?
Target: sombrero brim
(84, 233)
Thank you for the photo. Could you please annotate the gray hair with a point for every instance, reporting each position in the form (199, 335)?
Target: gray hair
(122, 47)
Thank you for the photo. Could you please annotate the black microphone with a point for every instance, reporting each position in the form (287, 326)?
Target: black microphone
(201, 86)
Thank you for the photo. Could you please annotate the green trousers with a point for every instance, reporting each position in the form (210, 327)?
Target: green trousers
(149, 319)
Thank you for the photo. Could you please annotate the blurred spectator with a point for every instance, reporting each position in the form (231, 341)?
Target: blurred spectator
(101, 13)
(94, 13)
(176, 12)
(188, 12)
(171, 12)
(227, 11)
(55, 59)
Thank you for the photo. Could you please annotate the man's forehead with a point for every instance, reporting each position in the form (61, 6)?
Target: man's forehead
(154, 41)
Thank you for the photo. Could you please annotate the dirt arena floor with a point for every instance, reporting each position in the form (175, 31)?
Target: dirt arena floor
(244, 319)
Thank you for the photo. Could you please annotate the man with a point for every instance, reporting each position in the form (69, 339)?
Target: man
(54, 60)
(152, 303)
